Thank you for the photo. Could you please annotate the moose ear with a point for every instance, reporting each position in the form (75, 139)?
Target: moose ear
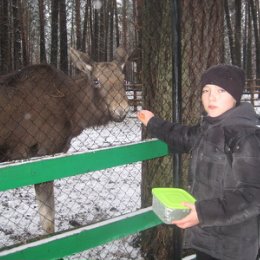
(80, 60)
(120, 56)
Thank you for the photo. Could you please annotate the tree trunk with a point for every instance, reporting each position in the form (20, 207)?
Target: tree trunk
(78, 25)
(5, 57)
(157, 58)
(202, 44)
(257, 39)
(23, 13)
(248, 39)
(63, 37)
(102, 32)
(139, 23)
(17, 49)
(85, 35)
(42, 33)
(116, 25)
(238, 33)
(106, 29)
(112, 7)
(229, 31)
(54, 32)
(94, 52)
(91, 30)
(124, 24)
(202, 37)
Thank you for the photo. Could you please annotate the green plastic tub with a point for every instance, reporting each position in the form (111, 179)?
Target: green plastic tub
(167, 203)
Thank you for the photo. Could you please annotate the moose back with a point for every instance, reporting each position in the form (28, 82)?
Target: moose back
(42, 109)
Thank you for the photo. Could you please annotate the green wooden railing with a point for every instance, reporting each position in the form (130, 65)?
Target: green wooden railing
(77, 240)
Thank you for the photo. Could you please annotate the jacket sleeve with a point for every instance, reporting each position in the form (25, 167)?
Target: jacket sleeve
(180, 138)
(243, 201)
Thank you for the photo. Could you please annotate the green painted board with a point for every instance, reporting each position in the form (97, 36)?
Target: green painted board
(81, 239)
(56, 167)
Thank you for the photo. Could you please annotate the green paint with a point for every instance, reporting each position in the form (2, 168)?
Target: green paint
(84, 240)
(31, 172)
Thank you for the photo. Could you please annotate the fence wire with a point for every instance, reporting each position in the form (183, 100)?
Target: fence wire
(43, 111)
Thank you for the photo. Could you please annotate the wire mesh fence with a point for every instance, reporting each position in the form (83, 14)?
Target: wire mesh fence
(43, 111)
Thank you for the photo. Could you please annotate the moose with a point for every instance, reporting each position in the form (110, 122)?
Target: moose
(42, 109)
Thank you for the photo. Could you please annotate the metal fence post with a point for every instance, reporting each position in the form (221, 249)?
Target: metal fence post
(176, 108)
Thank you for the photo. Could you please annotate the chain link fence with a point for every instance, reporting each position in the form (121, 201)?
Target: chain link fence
(43, 111)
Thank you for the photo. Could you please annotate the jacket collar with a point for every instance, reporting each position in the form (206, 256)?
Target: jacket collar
(243, 114)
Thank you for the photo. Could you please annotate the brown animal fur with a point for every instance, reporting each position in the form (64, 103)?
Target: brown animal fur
(42, 109)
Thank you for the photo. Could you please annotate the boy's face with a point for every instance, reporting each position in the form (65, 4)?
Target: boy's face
(216, 100)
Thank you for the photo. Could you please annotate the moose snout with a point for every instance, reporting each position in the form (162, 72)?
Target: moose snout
(119, 116)
(119, 112)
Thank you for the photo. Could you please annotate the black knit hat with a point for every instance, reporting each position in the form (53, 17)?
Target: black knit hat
(229, 77)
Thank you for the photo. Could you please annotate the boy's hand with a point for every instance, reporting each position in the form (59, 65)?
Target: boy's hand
(144, 116)
(190, 220)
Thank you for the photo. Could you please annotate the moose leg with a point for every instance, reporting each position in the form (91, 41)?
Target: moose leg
(45, 200)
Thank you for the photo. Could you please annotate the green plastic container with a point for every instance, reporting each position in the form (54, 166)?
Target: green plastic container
(167, 203)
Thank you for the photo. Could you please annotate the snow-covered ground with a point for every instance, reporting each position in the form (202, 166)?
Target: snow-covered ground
(83, 199)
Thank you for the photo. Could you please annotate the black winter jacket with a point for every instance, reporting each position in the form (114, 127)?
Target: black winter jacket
(225, 170)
